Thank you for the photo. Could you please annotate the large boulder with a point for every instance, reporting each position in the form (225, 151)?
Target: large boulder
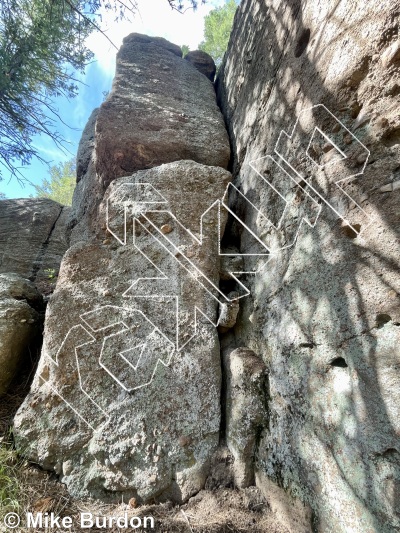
(160, 109)
(21, 308)
(325, 309)
(33, 239)
(203, 62)
(125, 403)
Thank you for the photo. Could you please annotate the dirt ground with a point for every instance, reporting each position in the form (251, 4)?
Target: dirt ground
(218, 511)
(219, 508)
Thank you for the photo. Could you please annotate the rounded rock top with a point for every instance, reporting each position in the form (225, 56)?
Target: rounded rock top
(203, 62)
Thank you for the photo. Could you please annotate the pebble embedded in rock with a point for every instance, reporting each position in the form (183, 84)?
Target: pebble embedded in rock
(184, 441)
(166, 228)
(382, 122)
(327, 147)
(133, 503)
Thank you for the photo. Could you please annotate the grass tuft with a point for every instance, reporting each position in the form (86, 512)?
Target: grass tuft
(9, 486)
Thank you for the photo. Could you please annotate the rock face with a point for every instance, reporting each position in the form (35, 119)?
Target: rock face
(160, 109)
(324, 310)
(246, 409)
(203, 62)
(132, 400)
(33, 239)
(21, 306)
(126, 399)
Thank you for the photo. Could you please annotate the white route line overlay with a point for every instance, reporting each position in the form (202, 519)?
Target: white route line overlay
(344, 156)
(101, 364)
(184, 261)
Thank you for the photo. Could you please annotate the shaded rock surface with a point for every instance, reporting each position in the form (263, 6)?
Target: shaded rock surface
(21, 308)
(157, 41)
(85, 152)
(246, 410)
(203, 62)
(33, 239)
(160, 110)
(132, 405)
(88, 191)
(324, 309)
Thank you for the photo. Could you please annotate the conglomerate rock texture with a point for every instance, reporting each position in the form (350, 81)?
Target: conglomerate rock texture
(145, 421)
(130, 398)
(126, 399)
(160, 109)
(324, 310)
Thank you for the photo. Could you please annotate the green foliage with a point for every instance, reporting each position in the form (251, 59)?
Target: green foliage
(61, 184)
(185, 50)
(9, 489)
(217, 29)
(51, 273)
(42, 47)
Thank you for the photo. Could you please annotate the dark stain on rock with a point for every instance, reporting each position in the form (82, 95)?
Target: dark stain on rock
(382, 319)
(302, 42)
(339, 362)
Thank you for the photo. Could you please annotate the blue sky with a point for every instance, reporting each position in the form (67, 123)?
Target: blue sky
(154, 17)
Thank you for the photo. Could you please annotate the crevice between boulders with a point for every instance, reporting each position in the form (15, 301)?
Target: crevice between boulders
(42, 252)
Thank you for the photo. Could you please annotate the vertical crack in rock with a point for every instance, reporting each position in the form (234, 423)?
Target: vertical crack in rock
(21, 320)
(33, 239)
(38, 262)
